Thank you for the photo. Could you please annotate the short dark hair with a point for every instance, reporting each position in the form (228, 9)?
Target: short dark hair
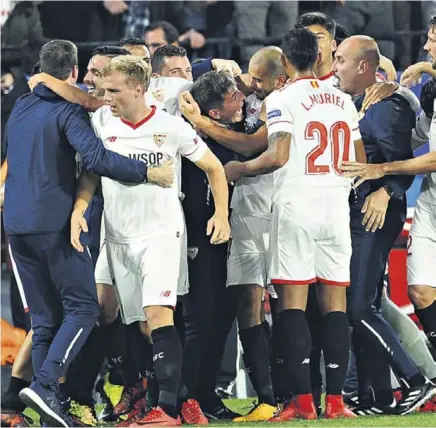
(341, 34)
(131, 41)
(110, 51)
(171, 33)
(209, 90)
(300, 46)
(58, 58)
(317, 18)
(36, 68)
(161, 55)
(432, 21)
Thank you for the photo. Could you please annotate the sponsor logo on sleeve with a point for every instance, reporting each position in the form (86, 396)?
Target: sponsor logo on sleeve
(274, 113)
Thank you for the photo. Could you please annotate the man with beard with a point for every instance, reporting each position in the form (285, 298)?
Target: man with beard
(247, 265)
(206, 304)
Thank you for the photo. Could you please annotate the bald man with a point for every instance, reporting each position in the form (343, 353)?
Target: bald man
(378, 213)
(250, 222)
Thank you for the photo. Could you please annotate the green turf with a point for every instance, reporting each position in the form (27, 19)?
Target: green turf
(414, 420)
(243, 406)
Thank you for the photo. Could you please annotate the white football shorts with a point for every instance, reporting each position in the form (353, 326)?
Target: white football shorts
(421, 246)
(147, 272)
(311, 238)
(248, 258)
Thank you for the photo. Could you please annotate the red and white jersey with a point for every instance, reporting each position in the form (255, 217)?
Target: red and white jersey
(133, 211)
(164, 92)
(333, 80)
(329, 78)
(324, 124)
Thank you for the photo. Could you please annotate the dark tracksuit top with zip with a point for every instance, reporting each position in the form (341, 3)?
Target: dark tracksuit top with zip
(43, 134)
(386, 130)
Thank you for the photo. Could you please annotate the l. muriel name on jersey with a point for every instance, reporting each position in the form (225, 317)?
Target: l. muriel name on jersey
(150, 159)
(315, 99)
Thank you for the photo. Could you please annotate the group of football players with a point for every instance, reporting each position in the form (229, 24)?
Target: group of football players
(278, 148)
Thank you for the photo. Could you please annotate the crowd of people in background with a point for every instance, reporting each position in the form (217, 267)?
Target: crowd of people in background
(165, 355)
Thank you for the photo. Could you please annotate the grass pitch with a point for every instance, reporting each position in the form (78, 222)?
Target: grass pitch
(243, 406)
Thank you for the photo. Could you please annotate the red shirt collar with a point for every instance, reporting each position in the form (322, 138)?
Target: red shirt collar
(141, 122)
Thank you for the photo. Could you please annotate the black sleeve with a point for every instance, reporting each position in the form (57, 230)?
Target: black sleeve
(394, 121)
(94, 156)
(201, 67)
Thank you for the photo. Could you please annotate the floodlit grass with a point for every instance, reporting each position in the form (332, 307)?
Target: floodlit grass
(243, 406)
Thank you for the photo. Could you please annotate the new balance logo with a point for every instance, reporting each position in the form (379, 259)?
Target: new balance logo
(332, 366)
(306, 361)
(166, 293)
(158, 356)
(112, 139)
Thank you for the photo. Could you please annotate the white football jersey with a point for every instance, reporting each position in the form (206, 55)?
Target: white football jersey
(253, 195)
(333, 80)
(132, 211)
(253, 108)
(323, 123)
(330, 78)
(428, 186)
(163, 92)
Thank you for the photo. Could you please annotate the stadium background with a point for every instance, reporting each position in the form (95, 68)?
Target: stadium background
(20, 56)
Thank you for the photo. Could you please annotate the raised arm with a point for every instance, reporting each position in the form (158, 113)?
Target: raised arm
(194, 148)
(419, 165)
(95, 157)
(388, 67)
(381, 90)
(244, 144)
(412, 75)
(70, 93)
(269, 161)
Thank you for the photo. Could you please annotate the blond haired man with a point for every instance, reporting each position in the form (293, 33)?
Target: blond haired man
(144, 224)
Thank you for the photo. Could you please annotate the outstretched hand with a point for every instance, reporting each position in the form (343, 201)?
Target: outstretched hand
(365, 171)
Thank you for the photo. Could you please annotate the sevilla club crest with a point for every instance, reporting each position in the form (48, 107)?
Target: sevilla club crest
(159, 95)
(159, 139)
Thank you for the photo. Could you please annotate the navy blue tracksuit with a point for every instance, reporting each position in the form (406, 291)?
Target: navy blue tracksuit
(43, 134)
(207, 263)
(386, 132)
